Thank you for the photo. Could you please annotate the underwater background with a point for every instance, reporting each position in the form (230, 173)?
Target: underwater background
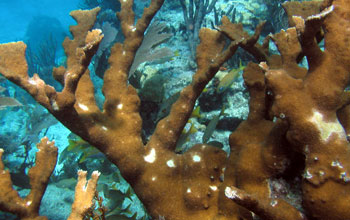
(164, 66)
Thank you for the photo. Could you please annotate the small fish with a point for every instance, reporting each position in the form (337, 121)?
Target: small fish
(185, 137)
(91, 153)
(222, 68)
(176, 53)
(229, 78)
(196, 112)
(216, 144)
(166, 106)
(8, 102)
(209, 130)
(66, 183)
(79, 146)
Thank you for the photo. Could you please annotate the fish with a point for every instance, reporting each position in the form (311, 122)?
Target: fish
(209, 130)
(184, 137)
(79, 146)
(69, 183)
(216, 144)
(165, 107)
(176, 53)
(196, 112)
(227, 81)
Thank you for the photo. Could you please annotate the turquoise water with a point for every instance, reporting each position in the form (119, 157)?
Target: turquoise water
(17, 14)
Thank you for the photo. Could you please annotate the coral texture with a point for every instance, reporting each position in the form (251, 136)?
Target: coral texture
(298, 117)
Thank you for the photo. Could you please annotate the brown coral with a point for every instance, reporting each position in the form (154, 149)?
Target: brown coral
(293, 112)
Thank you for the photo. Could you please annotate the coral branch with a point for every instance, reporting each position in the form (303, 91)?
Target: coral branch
(28, 207)
(273, 209)
(84, 194)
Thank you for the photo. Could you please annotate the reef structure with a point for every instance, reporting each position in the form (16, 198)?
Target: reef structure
(297, 115)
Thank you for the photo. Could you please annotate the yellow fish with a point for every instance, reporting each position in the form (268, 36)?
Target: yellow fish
(229, 78)
(176, 53)
(196, 112)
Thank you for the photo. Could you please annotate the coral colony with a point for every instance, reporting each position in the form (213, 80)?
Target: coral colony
(298, 121)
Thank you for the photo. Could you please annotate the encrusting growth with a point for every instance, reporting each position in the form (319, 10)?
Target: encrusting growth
(298, 118)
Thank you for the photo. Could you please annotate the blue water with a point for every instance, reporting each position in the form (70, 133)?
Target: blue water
(16, 15)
